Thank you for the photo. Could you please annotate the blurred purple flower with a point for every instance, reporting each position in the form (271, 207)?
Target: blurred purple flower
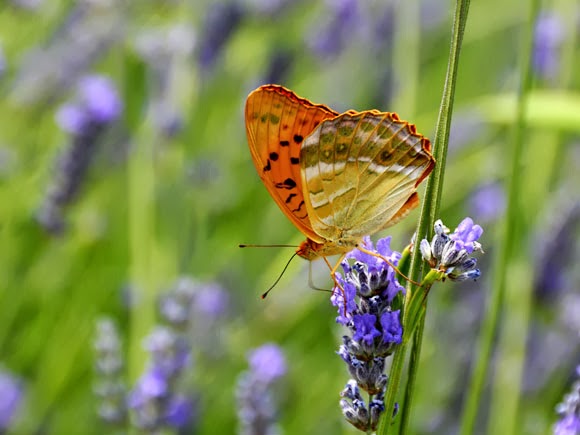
(257, 410)
(548, 38)
(221, 21)
(97, 103)
(487, 203)
(331, 38)
(267, 363)
(569, 411)
(364, 302)
(10, 399)
(2, 62)
(212, 300)
(154, 401)
(555, 248)
(180, 411)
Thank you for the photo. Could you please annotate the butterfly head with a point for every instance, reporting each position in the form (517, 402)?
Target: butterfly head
(311, 250)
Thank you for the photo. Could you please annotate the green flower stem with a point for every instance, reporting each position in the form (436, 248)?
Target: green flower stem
(412, 373)
(508, 242)
(429, 210)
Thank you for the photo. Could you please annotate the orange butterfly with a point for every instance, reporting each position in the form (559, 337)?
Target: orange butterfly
(338, 177)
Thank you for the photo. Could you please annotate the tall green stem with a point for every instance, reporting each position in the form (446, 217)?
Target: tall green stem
(429, 212)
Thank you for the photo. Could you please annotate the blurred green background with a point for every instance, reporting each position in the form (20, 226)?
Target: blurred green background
(170, 190)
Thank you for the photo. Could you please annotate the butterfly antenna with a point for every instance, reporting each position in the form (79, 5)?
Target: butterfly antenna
(278, 279)
(267, 246)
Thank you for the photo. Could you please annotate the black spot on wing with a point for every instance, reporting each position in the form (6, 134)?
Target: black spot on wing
(284, 143)
(292, 195)
(274, 156)
(299, 207)
(268, 167)
(294, 160)
(288, 183)
(298, 138)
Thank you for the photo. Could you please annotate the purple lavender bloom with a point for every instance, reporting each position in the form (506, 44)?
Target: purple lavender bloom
(221, 21)
(154, 399)
(450, 253)
(10, 399)
(332, 37)
(257, 410)
(487, 202)
(392, 328)
(466, 235)
(180, 411)
(364, 328)
(2, 62)
(569, 411)
(365, 298)
(267, 363)
(548, 38)
(97, 103)
(96, 106)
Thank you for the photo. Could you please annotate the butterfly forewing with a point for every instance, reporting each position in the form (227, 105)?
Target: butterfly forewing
(277, 121)
(360, 171)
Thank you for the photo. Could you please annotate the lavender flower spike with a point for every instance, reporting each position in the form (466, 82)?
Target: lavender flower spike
(96, 106)
(367, 305)
(154, 402)
(450, 253)
(569, 411)
(257, 410)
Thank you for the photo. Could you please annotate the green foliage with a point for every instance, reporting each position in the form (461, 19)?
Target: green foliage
(155, 206)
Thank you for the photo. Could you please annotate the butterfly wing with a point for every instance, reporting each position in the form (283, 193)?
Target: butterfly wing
(277, 121)
(361, 171)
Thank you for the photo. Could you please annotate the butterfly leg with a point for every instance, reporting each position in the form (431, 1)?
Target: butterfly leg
(374, 254)
(336, 283)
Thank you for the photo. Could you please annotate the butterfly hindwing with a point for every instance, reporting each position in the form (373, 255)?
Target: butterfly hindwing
(277, 121)
(360, 171)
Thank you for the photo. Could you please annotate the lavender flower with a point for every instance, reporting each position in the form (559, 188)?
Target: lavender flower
(2, 62)
(154, 401)
(569, 411)
(366, 301)
(87, 32)
(257, 410)
(97, 105)
(548, 38)
(332, 37)
(221, 21)
(10, 399)
(197, 309)
(488, 202)
(110, 388)
(450, 253)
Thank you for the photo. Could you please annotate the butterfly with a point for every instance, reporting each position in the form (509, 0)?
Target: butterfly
(337, 177)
